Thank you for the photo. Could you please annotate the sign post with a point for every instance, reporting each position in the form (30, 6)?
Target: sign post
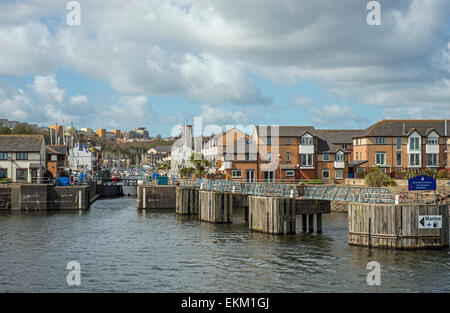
(422, 182)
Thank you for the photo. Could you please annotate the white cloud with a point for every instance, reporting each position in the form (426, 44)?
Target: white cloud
(47, 88)
(215, 115)
(43, 102)
(130, 112)
(208, 50)
(302, 101)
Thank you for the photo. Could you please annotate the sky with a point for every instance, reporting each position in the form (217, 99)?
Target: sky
(158, 63)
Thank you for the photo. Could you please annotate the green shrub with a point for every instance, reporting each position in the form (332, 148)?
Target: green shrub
(430, 172)
(377, 178)
(411, 174)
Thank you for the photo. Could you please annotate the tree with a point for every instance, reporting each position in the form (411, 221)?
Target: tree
(186, 171)
(5, 130)
(200, 164)
(377, 178)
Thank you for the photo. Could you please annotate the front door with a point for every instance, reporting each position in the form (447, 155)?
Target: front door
(34, 175)
(250, 176)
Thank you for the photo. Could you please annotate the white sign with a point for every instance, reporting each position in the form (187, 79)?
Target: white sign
(430, 221)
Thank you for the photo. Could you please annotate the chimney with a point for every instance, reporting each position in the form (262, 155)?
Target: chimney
(404, 128)
(445, 128)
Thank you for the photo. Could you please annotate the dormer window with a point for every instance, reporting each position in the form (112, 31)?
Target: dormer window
(432, 141)
(306, 140)
(380, 140)
(414, 143)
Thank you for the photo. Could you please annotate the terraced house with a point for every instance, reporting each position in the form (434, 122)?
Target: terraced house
(397, 146)
(22, 158)
(290, 153)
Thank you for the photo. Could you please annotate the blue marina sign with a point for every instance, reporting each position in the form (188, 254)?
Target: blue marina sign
(422, 183)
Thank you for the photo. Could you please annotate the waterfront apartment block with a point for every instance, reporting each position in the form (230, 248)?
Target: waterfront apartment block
(22, 158)
(401, 145)
(295, 153)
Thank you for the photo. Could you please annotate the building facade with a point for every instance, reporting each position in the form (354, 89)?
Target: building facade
(398, 146)
(22, 158)
(57, 160)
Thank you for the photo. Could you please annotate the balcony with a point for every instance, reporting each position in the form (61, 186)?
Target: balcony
(339, 164)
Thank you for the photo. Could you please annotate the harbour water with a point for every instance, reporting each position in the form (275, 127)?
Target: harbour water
(121, 249)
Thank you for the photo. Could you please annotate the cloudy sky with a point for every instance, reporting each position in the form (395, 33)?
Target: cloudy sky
(156, 63)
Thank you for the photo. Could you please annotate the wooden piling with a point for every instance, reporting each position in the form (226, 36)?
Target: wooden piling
(396, 226)
(272, 215)
(319, 223)
(187, 202)
(304, 223)
(311, 223)
(216, 207)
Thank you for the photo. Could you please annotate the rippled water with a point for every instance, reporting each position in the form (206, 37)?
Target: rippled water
(123, 249)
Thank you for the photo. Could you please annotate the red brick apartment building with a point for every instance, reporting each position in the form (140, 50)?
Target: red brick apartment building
(400, 145)
(295, 153)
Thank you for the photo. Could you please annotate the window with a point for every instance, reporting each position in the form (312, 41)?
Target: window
(269, 141)
(339, 174)
(3, 156)
(340, 156)
(356, 156)
(399, 158)
(399, 143)
(22, 156)
(290, 173)
(21, 174)
(236, 173)
(306, 140)
(247, 157)
(344, 146)
(325, 174)
(325, 157)
(269, 156)
(414, 159)
(380, 158)
(380, 140)
(288, 156)
(432, 159)
(432, 141)
(306, 159)
(3, 173)
(268, 176)
(414, 143)
(288, 141)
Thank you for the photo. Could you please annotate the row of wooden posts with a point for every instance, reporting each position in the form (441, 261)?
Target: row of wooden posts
(272, 215)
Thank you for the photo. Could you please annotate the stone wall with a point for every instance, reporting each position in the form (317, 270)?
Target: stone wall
(49, 197)
(156, 197)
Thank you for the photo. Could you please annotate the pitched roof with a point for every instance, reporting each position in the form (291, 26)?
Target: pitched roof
(21, 143)
(57, 149)
(163, 148)
(328, 139)
(399, 128)
(285, 131)
(339, 136)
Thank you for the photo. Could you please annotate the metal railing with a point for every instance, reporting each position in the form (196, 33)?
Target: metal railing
(350, 194)
(257, 189)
